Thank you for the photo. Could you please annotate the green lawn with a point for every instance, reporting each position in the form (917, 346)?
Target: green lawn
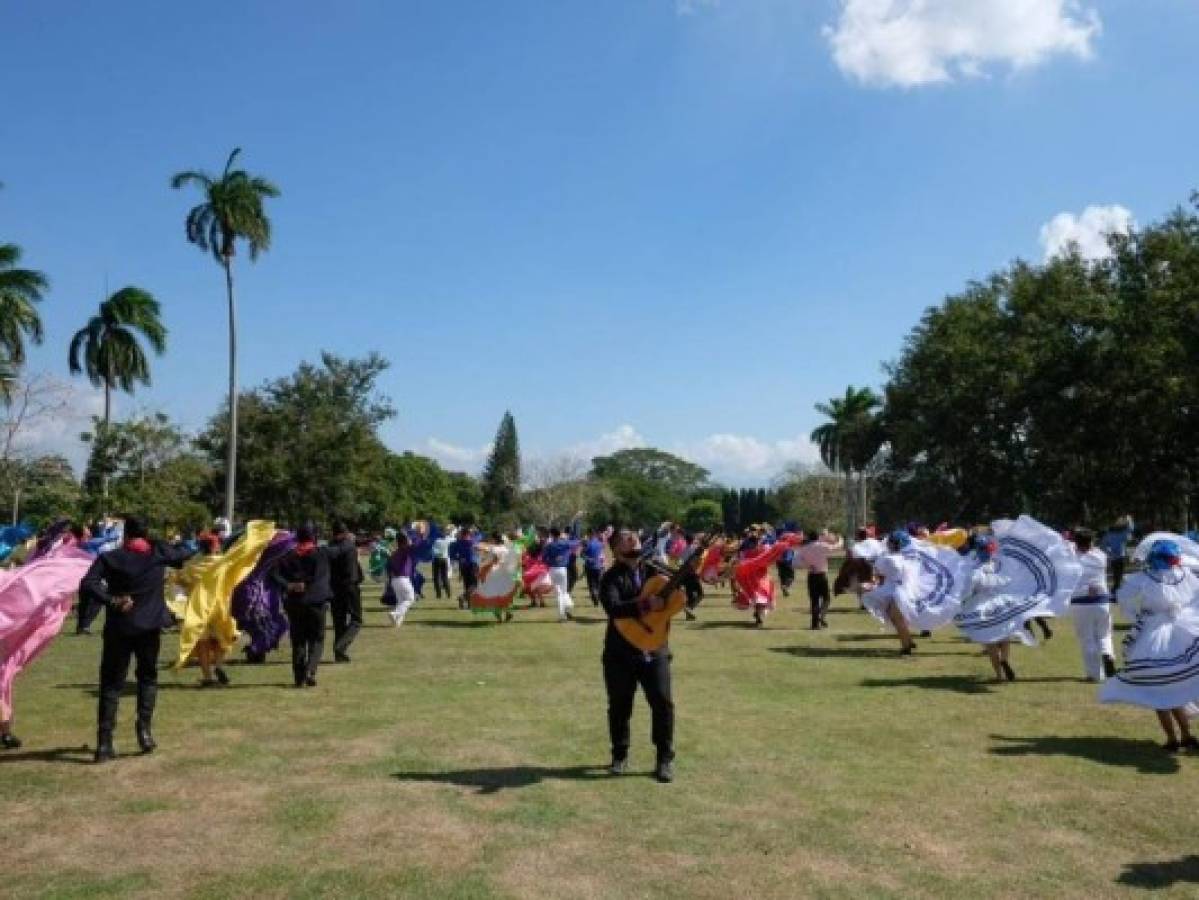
(455, 758)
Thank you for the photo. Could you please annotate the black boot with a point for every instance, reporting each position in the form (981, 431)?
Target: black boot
(145, 739)
(104, 748)
(1045, 629)
(10, 741)
(664, 771)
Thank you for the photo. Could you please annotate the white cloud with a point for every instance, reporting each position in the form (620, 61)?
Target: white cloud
(907, 43)
(1088, 230)
(738, 457)
(733, 458)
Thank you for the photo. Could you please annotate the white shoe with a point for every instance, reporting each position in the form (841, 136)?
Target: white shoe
(398, 618)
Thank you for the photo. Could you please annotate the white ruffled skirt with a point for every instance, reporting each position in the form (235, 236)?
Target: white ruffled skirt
(1002, 618)
(1161, 664)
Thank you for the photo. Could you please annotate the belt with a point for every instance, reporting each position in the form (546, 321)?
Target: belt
(1090, 601)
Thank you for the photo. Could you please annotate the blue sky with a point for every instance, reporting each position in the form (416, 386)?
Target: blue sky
(679, 223)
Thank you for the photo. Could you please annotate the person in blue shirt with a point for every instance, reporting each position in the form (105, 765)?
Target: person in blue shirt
(593, 564)
(1114, 543)
(556, 556)
(465, 552)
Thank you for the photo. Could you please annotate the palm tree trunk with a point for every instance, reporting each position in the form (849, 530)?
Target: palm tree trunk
(231, 457)
(107, 446)
(850, 519)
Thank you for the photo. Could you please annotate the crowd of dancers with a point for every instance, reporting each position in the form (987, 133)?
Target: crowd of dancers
(997, 585)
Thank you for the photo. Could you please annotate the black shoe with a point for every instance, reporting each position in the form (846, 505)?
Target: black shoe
(10, 742)
(104, 750)
(310, 681)
(689, 614)
(1046, 630)
(1008, 671)
(618, 767)
(341, 657)
(221, 675)
(507, 615)
(145, 739)
(1109, 667)
(664, 771)
(908, 650)
(1171, 746)
(1191, 743)
(926, 634)
(823, 622)
(815, 626)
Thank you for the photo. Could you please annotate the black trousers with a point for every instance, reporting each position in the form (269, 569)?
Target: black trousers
(441, 577)
(622, 674)
(1117, 572)
(694, 589)
(819, 596)
(347, 617)
(307, 621)
(470, 578)
(114, 666)
(786, 574)
(572, 574)
(593, 581)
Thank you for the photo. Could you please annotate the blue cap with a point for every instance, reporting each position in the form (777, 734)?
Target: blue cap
(1163, 555)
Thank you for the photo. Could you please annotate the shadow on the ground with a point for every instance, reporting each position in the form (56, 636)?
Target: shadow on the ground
(747, 624)
(1143, 755)
(492, 781)
(1161, 874)
(78, 756)
(130, 688)
(851, 652)
(959, 684)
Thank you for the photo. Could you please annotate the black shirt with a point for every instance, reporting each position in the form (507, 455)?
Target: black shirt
(311, 570)
(140, 576)
(619, 592)
(344, 571)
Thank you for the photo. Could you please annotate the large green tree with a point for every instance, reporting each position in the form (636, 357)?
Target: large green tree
(232, 211)
(108, 349)
(848, 442)
(501, 474)
(310, 444)
(20, 292)
(679, 476)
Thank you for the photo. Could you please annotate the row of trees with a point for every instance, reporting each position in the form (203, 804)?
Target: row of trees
(1068, 390)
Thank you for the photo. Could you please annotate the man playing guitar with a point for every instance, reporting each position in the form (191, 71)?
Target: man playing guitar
(626, 666)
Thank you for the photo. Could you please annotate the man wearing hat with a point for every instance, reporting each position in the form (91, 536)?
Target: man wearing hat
(128, 581)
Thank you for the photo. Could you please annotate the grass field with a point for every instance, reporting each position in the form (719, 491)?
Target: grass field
(455, 758)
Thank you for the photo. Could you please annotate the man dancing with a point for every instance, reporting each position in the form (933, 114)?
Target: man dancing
(128, 581)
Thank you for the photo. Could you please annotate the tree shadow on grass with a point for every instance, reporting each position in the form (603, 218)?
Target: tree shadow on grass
(79, 756)
(1143, 755)
(960, 684)
(492, 781)
(850, 652)
(1161, 874)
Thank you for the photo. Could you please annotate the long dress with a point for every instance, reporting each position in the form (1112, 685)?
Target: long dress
(210, 581)
(1161, 651)
(1033, 574)
(34, 601)
(752, 585)
(925, 581)
(499, 580)
(258, 603)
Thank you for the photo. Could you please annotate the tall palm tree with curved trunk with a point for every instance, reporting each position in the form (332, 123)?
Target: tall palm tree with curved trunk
(107, 348)
(848, 442)
(20, 292)
(232, 210)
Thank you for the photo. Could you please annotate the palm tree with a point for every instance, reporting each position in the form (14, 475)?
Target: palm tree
(20, 292)
(232, 209)
(107, 349)
(848, 441)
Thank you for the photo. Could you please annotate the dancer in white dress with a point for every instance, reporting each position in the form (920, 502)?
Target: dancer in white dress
(1024, 570)
(1161, 652)
(921, 589)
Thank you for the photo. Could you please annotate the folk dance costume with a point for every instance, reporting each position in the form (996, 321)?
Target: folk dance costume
(921, 590)
(556, 556)
(303, 575)
(813, 556)
(752, 586)
(258, 602)
(209, 630)
(535, 577)
(129, 582)
(499, 580)
(1024, 571)
(1161, 652)
(1090, 608)
(35, 600)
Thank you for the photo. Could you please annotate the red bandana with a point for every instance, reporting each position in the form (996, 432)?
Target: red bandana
(305, 548)
(138, 545)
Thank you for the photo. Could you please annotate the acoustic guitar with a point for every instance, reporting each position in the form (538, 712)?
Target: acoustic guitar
(650, 631)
